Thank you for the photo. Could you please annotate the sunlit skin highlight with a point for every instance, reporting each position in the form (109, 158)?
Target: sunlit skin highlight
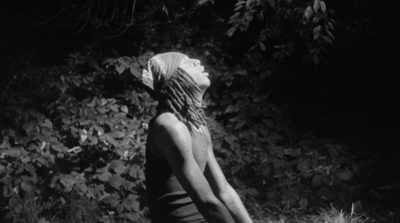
(179, 135)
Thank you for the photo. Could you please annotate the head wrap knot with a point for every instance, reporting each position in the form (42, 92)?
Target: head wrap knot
(160, 69)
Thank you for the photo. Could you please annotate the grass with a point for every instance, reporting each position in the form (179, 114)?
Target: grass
(84, 210)
(331, 215)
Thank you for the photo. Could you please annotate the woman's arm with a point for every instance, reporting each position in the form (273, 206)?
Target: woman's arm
(176, 146)
(224, 190)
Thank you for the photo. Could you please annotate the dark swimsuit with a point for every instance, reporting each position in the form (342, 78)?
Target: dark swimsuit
(168, 201)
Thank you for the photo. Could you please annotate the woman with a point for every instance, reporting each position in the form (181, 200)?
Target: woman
(184, 181)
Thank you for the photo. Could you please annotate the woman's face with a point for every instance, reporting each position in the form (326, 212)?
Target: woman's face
(194, 69)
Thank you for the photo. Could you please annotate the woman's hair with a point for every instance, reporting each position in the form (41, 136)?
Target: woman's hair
(177, 95)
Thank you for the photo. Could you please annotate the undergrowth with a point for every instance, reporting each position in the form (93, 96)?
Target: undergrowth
(73, 139)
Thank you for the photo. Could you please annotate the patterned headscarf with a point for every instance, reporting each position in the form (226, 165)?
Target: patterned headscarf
(160, 69)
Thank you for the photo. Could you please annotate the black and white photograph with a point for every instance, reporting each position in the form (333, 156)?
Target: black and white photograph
(199, 111)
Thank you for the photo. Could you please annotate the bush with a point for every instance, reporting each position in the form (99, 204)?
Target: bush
(261, 154)
(265, 158)
(72, 147)
(73, 142)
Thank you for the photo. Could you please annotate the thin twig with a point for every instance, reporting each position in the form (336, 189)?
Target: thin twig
(105, 7)
(63, 21)
(124, 15)
(88, 16)
(98, 9)
(83, 9)
(130, 23)
(51, 18)
(113, 13)
(117, 7)
(149, 14)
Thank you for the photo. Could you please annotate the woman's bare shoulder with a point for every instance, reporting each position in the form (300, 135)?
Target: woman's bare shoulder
(168, 123)
(168, 133)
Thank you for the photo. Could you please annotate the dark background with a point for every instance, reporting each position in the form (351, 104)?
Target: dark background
(353, 98)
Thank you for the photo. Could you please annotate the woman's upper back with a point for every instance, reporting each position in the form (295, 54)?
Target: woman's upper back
(168, 134)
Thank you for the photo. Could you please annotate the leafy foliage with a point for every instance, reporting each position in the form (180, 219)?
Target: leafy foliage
(266, 159)
(80, 154)
(260, 152)
(116, 18)
(72, 137)
(75, 147)
(286, 27)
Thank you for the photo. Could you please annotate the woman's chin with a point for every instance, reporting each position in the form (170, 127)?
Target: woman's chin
(203, 86)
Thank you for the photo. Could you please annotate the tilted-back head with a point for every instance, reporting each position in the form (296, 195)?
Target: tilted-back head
(159, 70)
